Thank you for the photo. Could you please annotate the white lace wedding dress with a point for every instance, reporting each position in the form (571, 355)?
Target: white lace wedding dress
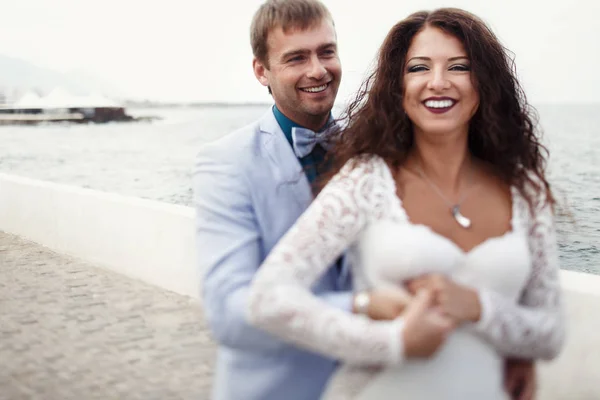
(515, 274)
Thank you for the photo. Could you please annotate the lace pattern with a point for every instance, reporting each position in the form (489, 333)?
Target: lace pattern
(534, 328)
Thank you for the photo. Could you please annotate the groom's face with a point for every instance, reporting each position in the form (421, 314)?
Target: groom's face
(303, 71)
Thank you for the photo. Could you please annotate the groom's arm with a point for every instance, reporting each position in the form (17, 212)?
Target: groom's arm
(229, 253)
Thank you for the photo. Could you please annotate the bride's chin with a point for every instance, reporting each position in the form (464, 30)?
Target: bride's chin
(434, 131)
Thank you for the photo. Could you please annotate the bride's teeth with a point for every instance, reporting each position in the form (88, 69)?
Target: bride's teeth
(439, 103)
(315, 89)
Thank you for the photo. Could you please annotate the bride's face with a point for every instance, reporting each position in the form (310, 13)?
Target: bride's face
(439, 94)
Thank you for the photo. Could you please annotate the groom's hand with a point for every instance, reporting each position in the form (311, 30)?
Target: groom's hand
(385, 304)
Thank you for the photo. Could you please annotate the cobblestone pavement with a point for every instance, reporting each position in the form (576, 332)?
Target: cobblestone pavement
(69, 330)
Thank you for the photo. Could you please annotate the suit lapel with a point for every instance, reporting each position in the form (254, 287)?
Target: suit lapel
(286, 166)
(288, 172)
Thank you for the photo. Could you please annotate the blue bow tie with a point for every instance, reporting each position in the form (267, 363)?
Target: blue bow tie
(304, 140)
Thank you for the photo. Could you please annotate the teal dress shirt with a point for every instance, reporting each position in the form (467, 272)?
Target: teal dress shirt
(314, 163)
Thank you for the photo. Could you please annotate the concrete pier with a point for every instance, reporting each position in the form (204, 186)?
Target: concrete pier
(70, 330)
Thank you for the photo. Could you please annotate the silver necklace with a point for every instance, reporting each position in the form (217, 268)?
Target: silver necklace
(454, 207)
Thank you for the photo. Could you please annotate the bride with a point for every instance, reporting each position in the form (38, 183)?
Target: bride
(439, 188)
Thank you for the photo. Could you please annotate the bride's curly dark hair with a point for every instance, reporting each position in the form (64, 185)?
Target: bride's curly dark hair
(502, 132)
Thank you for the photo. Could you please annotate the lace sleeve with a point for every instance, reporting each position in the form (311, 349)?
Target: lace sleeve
(280, 298)
(534, 328)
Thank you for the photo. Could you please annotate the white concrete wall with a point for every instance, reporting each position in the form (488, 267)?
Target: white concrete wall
(575, 374)
(154, 242)
(143, 239)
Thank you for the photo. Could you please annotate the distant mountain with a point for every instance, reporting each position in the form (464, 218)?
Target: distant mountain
(23, 75)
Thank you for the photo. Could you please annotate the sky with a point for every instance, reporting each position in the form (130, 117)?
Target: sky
(199, 50)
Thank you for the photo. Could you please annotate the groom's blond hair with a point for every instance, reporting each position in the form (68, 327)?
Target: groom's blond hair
(287, 14)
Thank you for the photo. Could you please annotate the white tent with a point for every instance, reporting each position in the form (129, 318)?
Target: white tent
(28, 100)
(60, 98)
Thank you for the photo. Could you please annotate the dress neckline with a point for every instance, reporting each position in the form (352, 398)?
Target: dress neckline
(404, 215)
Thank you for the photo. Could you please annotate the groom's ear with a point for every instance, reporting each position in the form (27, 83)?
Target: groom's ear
(260, 71)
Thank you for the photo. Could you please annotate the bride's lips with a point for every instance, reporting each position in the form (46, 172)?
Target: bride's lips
(439, 105)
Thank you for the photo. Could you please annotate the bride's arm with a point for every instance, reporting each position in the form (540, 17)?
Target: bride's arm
(280, 297)
(534, 328)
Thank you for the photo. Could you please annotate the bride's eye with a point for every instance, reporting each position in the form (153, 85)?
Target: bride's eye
(417, 68)
(459, 67)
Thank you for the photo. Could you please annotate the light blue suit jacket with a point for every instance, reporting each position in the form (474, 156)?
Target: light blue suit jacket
(249, 188)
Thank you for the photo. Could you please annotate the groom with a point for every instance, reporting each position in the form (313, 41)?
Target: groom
(252, 185)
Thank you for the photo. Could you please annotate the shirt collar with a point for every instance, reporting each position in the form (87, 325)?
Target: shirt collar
(287, 124)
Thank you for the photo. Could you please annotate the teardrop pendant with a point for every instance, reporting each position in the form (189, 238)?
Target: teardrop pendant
(461, 219)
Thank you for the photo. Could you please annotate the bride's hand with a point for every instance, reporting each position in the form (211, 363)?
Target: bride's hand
(454, 300)
(425, 329)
